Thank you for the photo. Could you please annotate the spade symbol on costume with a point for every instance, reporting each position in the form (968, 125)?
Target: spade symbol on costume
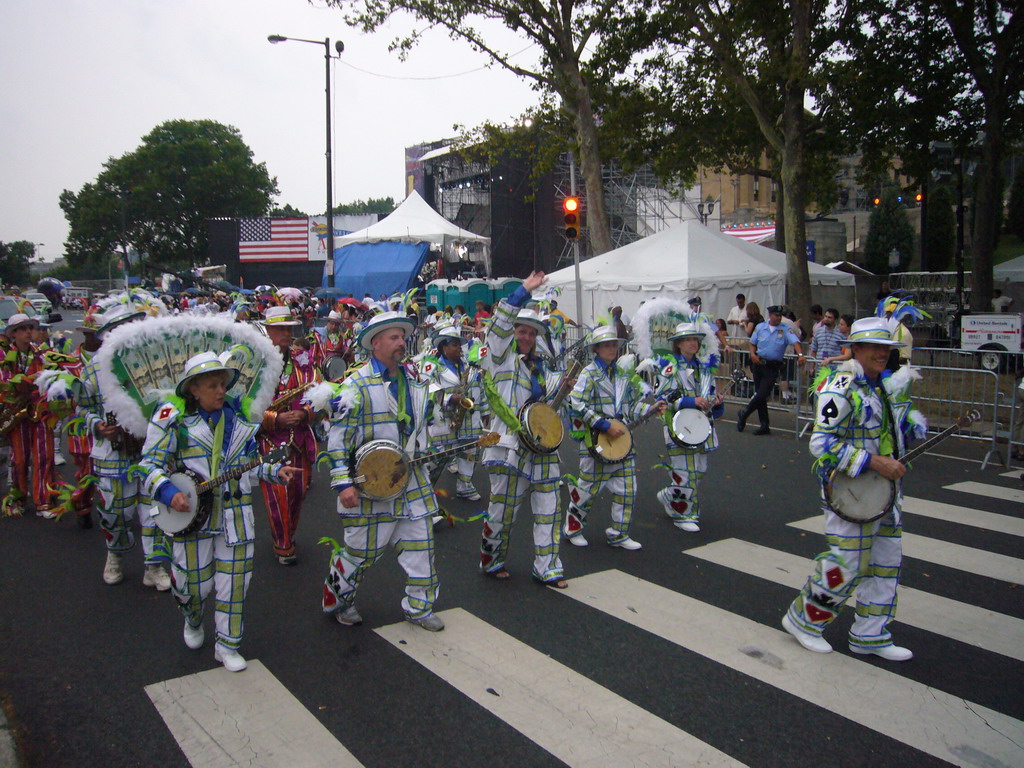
(829, 411)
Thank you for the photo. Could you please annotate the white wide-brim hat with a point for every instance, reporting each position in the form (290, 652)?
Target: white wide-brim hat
(532, 318)
(19, 319)
(604, 333)
(335, 316)
(279, 317)
(204, 362)
(872, 330)
(118, 314)
(687, 331)
(448, 332)
(382, 322)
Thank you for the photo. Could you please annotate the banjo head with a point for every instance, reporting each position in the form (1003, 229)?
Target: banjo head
(543, 429)
(333, 368)
(171, 521)
(384, 469)
(690, 426)
(861, 499)
(612, 450)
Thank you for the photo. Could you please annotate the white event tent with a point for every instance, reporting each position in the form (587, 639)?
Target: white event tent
(688, 260)
(1012, 270)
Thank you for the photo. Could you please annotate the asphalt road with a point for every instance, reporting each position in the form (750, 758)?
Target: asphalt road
(79, 653)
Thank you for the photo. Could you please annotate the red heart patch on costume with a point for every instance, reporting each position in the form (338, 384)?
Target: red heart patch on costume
(485, 560)
(573, 524)
(677, 479)
(329, 599)
(679, 506)
(487, 530)
(834, 577)
(339, 565)
(814, 613)
(574, 494)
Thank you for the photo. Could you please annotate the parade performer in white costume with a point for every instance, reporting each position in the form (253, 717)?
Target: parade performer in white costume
(514, 377)
(862, 420)
(607, 389)
(385, 399)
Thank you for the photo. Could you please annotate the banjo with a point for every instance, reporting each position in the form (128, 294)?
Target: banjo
(382, 467)
(200, 495)
(867, 497)
(612, 450)
(542, 429)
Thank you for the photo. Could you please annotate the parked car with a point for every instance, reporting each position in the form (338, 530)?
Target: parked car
(9, 306)
(33, 308)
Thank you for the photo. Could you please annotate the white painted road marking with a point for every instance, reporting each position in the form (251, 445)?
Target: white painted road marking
(575, 719)
(945, 553)
(964, 515)
(967, 623)
(985, 489)
(927, 719)
(226, 719)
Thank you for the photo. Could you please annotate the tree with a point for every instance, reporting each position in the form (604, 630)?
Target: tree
(940, 240)
(1015, 209)
(380, 205)
(561, 30)
(158, 198)
(14, 262)
(287, 211)
(888, 229)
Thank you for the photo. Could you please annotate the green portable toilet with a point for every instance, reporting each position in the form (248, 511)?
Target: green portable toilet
(435, 293)
(453, 293)
(504, 286)
(478, 290)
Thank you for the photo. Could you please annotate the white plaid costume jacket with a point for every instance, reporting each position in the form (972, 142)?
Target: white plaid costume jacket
(366, 411)
(174, 440)
(107, 461)
(693, 379)
(597, 396)
(512, 380)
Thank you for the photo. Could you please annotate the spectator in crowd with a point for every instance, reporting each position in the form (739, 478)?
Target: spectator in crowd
(620, 322)
(723, 337)
(566, 319)
(1000, 303)
(768, 345)
(754, 318)
(829, 339)
(818, 317)
(737, 320)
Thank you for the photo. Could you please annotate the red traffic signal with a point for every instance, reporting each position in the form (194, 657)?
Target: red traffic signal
(918, 198)
(877, 200)
(571, 207)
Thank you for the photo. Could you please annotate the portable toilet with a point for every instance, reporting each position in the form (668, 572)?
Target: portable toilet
(453, 293)
(504, 287)
(435, 292)
(478, 290)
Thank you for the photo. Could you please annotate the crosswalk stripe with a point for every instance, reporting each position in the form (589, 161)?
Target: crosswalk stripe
(927, 719)
(967, 623)
(222, 719)
(1014, 473)
(978, 561)
(575, 719)
(986, 489)
(964, 515)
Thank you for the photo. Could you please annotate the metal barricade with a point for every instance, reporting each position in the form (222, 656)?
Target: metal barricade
(735, 381)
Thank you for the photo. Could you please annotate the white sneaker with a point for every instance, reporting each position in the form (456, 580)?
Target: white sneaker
(194, 636)
(622, 543)
(156, 576)
(818, 644)
(59, 460)
(469, 494)
(349, 617)
(887, 652)
(112, 570)
(431, 623)
(686, 525)
(46, 513)
(577, 540)
(453, 467)
(232, 660)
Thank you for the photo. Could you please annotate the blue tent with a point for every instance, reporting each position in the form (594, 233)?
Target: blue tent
(376, 268)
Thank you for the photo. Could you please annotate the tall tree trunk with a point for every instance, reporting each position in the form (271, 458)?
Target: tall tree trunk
(582, 112)
(780, 216)
(988, 204)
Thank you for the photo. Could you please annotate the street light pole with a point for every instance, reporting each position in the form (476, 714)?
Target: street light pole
(339, 47)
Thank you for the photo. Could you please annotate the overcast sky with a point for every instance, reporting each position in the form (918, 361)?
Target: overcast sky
(82, 81)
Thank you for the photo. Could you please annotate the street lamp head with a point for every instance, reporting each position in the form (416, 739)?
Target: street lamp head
(276, 38)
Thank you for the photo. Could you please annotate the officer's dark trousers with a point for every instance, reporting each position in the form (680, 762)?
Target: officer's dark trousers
(765, 375)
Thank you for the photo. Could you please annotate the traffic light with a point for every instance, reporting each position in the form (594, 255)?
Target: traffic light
(571, 208)
(919, 198)
(877, 200)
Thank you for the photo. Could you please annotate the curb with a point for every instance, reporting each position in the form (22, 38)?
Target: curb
(8, 749)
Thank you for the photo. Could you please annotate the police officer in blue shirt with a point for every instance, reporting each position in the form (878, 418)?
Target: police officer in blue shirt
(768, 345)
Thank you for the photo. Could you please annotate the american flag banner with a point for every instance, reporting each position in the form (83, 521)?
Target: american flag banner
(273, 240)
(752, 234)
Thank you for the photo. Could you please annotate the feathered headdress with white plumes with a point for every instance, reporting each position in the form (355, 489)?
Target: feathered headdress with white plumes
(136, 299)
(708, 354)
(135, 366)
(332, 399)
(60, 389)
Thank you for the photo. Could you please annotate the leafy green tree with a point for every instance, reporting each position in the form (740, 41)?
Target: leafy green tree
(888, 229)
(158, 198)
(940, 240)
(381, 205)
(562, 31)
(287, 211)
(14, 262)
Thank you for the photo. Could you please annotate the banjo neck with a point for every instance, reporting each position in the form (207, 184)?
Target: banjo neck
(485, 441)
(278, 454)
(650, 413)
(964, 421)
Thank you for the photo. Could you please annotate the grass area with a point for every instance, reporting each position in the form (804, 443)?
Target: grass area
(1010, 247)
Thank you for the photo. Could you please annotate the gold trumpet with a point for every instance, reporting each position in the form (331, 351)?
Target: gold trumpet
(464, 404)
